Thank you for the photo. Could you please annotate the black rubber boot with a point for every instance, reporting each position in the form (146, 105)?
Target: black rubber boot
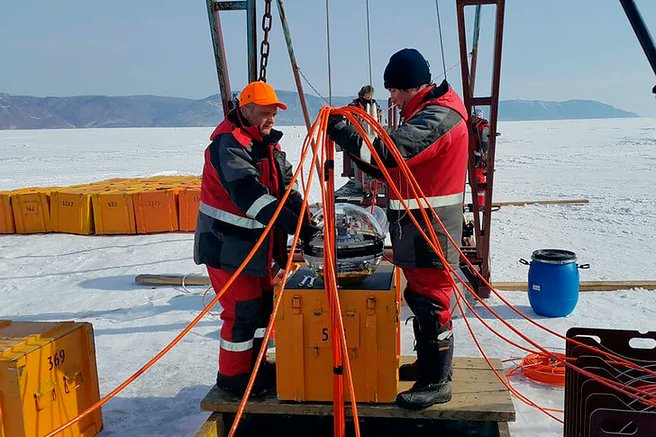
(267, 371)
(434, 385)
(410, 372)
(236, 385)
(265, 381)
(434, 356)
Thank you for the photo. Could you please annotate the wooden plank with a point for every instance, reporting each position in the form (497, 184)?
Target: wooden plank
(214, 426)
(462, 363)
(585, 286)
(477, 396)
(321, 426)
(543, 202)
(190, 280)
(504, 429)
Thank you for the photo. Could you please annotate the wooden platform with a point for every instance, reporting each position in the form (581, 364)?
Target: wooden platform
(481, 406)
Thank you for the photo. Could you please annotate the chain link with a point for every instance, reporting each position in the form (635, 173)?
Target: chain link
(265, 47)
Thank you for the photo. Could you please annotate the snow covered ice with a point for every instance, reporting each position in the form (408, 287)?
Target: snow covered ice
(89, 278)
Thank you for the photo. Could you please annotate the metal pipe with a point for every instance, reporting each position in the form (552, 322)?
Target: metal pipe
(369, 45)
(219, 55)
(494, 112)
(295, 70)
(292, 60)
(330, 76)
(641, 31)
(474, 51)
(251, 40)
(467, 98)
(230, 5)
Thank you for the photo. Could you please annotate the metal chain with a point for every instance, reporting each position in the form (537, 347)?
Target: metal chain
(265, 47)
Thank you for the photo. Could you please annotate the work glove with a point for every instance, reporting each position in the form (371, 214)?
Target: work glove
(308, 232)
(335, 122)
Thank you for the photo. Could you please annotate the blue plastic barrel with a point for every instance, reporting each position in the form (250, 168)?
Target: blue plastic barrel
(553, 282)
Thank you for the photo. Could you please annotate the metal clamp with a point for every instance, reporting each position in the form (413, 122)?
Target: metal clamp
(307, 281)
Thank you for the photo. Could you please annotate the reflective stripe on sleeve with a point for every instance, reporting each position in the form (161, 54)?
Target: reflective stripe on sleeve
(228, 217)
(260, 202)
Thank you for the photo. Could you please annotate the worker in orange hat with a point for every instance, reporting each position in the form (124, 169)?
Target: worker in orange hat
(244, 177)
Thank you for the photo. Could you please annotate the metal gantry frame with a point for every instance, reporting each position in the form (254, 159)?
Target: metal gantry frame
(214, 8)
(642, 33)
(479, 255)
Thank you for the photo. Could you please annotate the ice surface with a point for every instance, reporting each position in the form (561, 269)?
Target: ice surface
(64, 277)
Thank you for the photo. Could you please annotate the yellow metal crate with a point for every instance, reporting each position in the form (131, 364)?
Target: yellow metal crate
(113, 212)
(48, 375)
(155, 211)
(188, 204)
(303, 346)
(7, 225)
(70, 211)
(31, 210)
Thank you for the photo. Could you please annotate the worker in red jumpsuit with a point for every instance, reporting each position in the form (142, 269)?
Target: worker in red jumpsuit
(433, 140)
(244, 177)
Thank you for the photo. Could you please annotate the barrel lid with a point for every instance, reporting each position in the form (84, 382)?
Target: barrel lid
(554, 256)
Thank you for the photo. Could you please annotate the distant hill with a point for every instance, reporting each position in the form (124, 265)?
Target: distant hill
(570, 109)
(25, 112)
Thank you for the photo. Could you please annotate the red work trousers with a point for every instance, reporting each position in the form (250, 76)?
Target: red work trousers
(433, 283)
(247, 307)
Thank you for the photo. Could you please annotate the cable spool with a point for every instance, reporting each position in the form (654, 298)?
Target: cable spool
(542, 368)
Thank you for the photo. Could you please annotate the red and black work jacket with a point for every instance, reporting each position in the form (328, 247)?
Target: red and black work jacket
(434, 142)
(244, 178)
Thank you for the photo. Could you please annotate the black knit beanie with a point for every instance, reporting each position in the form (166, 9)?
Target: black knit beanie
(406, 69)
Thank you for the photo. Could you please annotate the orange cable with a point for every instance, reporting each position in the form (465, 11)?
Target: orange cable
(267, 335)
(334, 303)
(193, 323)
(404, 168)
(604, 381)
(541, 368)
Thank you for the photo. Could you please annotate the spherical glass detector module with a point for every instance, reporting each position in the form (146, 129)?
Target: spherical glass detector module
(360, 241)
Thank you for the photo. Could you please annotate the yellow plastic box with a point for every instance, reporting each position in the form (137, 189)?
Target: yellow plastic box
(113, 212)
(70, 212)
(303, 346)
(47, 376)
(31, 210)
(156, 211)
(188, 204)
(7, 225)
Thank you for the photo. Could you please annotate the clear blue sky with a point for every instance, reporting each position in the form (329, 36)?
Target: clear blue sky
(553, 49)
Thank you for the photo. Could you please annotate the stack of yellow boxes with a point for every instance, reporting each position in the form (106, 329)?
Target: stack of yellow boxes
(112, 206)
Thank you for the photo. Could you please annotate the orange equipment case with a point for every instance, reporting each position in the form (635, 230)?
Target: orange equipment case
(7, 225)
(113, 212)
(188, 203)
(31, 210)
(70, 211)
(303, 347)
(155, 210)
(48, 376)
